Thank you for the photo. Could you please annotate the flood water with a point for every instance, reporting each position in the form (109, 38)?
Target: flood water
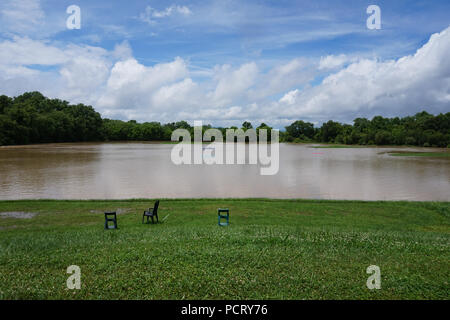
(145, 170)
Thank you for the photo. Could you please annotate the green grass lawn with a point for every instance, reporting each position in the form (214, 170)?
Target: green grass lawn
(273, 249)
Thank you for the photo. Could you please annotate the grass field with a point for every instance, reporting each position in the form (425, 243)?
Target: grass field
(273, 249)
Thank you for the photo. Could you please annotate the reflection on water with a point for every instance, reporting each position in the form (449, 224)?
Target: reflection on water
(144, 170)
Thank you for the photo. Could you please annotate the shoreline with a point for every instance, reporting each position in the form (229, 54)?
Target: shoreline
(312, 144)
(298, 200)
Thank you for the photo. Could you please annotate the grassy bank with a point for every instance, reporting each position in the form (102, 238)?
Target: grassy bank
(283, 249)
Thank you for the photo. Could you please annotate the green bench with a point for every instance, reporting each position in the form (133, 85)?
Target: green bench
(223, 213)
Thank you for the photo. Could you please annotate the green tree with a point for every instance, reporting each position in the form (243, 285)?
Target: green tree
(329, 131)
(300, 129)
(247, 125)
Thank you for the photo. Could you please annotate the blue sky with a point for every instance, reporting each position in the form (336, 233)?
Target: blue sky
(229, 61)
(218, 32)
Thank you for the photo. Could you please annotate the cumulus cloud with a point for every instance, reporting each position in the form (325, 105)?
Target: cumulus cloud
(24, 51)
(82, 73)
(120, 86)
(122, 51)
(150, 14)
(282, 77)
(68, 72)
(170, 10)
(232, 84)
(21, 16)
(290, 98)
(27, 18)
(170, 97)
(132, 85)
(368, 87)
(332, 61)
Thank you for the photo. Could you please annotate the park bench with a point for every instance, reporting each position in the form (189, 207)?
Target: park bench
(223, 213)
(110, 217)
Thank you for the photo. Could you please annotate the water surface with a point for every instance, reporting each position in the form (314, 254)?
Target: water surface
(144, 170)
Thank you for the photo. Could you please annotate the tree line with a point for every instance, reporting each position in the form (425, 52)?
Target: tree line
(33, 118)
(422, 129)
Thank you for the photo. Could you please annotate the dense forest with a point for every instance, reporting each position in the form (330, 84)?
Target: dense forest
(33, 118)
(422, 129)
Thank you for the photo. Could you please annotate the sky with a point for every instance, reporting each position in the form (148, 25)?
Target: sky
(225, 61)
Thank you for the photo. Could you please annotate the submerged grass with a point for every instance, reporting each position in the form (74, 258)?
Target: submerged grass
(273, 249)
(420, 154)
(339, 146)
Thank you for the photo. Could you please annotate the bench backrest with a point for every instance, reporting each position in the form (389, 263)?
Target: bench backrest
(155, 208)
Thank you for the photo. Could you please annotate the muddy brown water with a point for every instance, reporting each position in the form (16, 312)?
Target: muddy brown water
(145, 170)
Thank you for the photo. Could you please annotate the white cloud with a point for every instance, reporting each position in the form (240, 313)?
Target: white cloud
(170, 10)
(27, 18)
(24, 51)
(150, 13)
(119, 86)
(21, 16)
(369, 87)
(181, 94)
(83, 73)
(135, 87)
(232, 84)
(122, 51)
(68, 72)
(283, 77)
(290, 98)
(132, 75)
(332, 61)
